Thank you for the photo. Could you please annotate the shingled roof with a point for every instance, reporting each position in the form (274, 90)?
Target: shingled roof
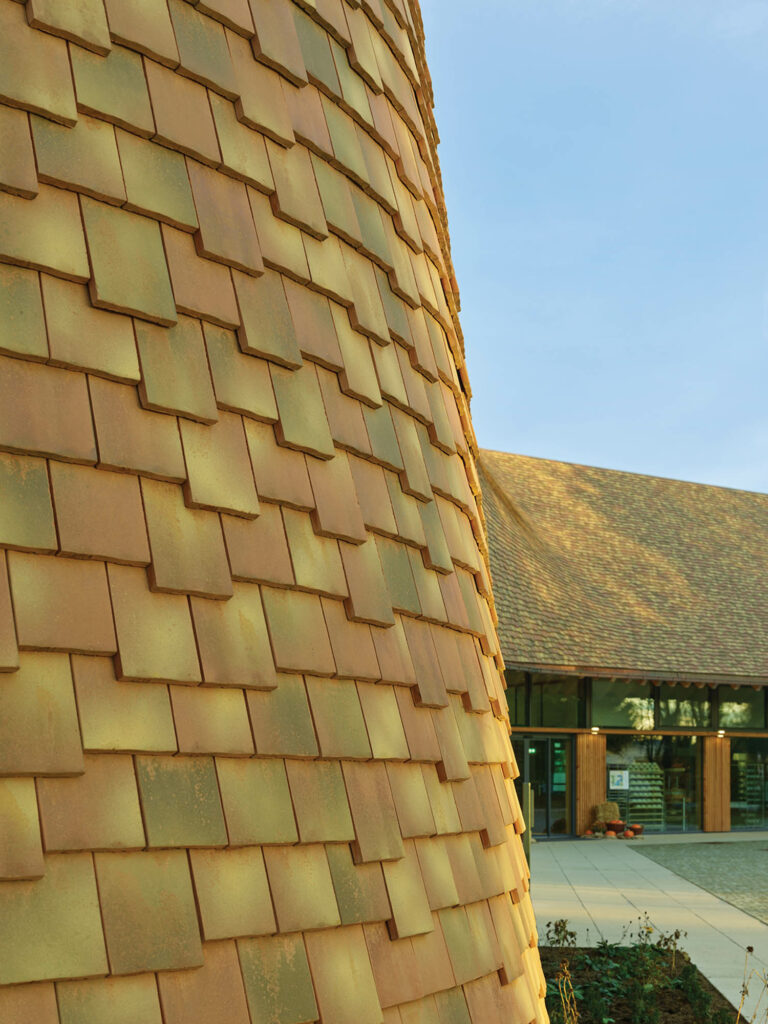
(600, 571)
(255, 765)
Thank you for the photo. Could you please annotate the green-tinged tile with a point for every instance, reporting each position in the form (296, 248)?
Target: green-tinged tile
(267, 328)
(461, 943)
(21, 851)
(121, 715)
(337, 202)
(302, 423)
(281, 720)
(180, 800)
(203, 50)
(39, 731)
(346, 147)
(26, 512)
(360, 890)
(316, 51)
(243, 151)
(301, 887)
(232, 893)
(233, 641)
(338, 718)
(320, 801)
(242, 383)
(175, 370)
(45, 232)
(113, 87)
(83, 157)
(257, 801)
(130, 274)
(51, 926)
(298, 632)
(352, 86)
(452, 1007)
(396, 566)
(277, 979)
(84, 22)
(131, 1000)
(156, 181)
(22, 324)
(382, 717)
(83, 337)
(410, 908)
(381, 432)
(344, 983)
(34, 71)
(316, 560)
(358, 378)
(148, 908)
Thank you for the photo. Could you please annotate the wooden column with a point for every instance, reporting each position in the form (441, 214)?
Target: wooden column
(590, 778)
(716, 784)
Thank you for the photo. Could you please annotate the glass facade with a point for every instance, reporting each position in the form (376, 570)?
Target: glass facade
(656, 781)
(684, 707)
(742, 708)
(624, 705)
(555, 701)
(749, 783)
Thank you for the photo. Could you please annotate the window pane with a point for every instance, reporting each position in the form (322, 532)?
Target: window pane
(660, 781)
(516, 692)
(749, 783)
(627, 705)
(742, 709)
(554, 701)
(685, 707)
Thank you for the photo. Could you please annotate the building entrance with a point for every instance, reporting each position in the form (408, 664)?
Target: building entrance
(547, 763)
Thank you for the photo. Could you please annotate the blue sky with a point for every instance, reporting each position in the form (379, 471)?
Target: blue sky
(605, 164)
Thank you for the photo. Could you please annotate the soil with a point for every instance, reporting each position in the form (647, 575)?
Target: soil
(671, 1003)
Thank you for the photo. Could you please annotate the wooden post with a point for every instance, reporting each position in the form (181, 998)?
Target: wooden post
(716, 784)
(590, 778)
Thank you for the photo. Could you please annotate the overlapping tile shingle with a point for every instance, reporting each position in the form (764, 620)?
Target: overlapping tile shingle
(253, 756)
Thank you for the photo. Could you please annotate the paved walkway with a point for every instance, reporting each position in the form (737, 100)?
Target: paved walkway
(601, 886)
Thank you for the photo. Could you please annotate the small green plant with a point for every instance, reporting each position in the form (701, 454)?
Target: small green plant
(559, 935)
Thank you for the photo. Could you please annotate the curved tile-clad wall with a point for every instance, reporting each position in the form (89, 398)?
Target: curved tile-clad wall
(254, 757)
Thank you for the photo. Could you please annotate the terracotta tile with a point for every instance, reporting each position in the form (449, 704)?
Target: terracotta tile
(257, 801)
(296, 198)
(352, 644)
(466, 960)
(419, 728)
(18, 173)
(118, 240)
(213, 993)
(382, 719)
(302, 890)
(437, 873)
(282, 247)
(211, 720)
(320, 801)
(46, 233)
(188, 553)
(281, 720)
(182, 115)
(61, 604)
(22, 328)
(176, 378)
(222, 202)
(393, 655)
(281, 473)
(337, 203)
(235, 14)
(148, 911)
(99, 514)
(308, 118)
(470, 731)
(83, 158)
(390, 377)
(180, 801)
(84, 23)
(144, 25)
(120, 716)
(41, 918)
(415, 387)
(361, 54)
(380, 182)
(258, 549)
(242, 383)
(442, 801)
(373, 496)
(338, 718)
(203, 51)
(343, 977)
(471, 811)
(154, 631)
(394, 966)
(35, 73)
(316, 560)
(414, 479)
(453, 765)
(407, 896)
(423, 1011)
(302, 423)
(201, 287)
(428, 588)
(20, 1004)
(337, 513)
(367, 313)
(26, 513)
(118, 1000)
(453, 601)
(398, 576)
(232, 893)
(358, 376)
(411, 800)
(243, 152)
(298, 632)
(345, 417)
(276, 42)
(346, 148)
(452, 1007)
(327, 268)
(316, 51)
(392, 1015)
(233, 641)
(113, 88)
(430, 686)
(383, 438)
(353, 91)
(369, 599)
(156, 181)
(313, 322)
(21, 854)
(373, 813)
(218, 467)
(260, 103)
(360, 890)
(95, 811)
(267, 328)
(132, 439)
(436, 554)
(278, 984)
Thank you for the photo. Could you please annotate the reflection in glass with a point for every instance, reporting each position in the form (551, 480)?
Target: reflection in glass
(628, 705)
(516, 697)
(663, 780)
(749, 783)
(685, 707)
(742, 708)
(554, 701)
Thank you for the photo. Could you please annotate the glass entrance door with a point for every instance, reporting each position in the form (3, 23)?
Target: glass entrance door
(546, 762)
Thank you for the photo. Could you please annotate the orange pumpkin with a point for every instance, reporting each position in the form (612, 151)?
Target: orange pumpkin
(629, 834)
(610, 834)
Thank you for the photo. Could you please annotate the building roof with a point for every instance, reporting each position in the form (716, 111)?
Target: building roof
(606, 572)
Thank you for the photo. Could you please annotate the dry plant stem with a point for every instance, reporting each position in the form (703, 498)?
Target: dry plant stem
(567, 996)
